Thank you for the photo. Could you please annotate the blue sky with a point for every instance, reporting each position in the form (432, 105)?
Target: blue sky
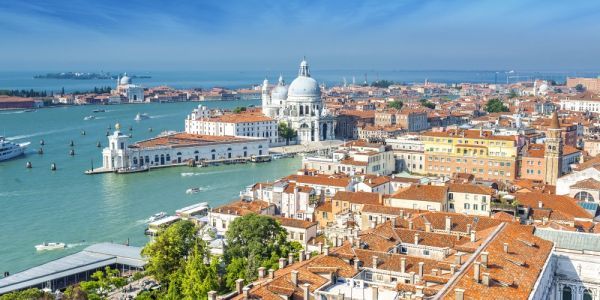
(338, 34)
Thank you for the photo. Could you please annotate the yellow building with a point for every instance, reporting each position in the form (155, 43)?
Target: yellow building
(476, 152)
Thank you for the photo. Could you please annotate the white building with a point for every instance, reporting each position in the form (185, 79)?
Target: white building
(300, 106)
(244, 124)
(409, 151)
(586, 102)
(133, 93)
(176, 149)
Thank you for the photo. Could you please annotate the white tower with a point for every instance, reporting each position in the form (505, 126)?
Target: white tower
(116, 155)
(265, 97)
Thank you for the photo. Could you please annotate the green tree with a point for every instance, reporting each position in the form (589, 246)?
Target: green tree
(29, 294)
(427, 104)
(199, 278)
(382, 83)
(512, 94)
(253, 241)
(495, 105)
(580, 88)
(168, 252)
(396, 104)
(239, 109)
(286, 132)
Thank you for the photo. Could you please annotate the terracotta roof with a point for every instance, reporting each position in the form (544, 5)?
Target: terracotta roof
(243, 208)
(420, 192)
(289, 222)
(557, 203)
(388, 210)
(187, 140)
(470, 189)
(357, 197)
(243, 117)
(518, 269)
(589, 184)
(321, 180)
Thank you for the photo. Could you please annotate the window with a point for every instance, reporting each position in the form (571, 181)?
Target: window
(567, 294)
(426, 252)
(584, 196)
(467, 206)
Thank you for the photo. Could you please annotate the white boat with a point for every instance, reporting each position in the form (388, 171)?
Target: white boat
(10, 150)
(50, 246)
(192, 190)
(140, 117)
(157, 216)
(89, 118)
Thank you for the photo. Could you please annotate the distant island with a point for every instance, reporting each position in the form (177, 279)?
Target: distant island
(83, 76)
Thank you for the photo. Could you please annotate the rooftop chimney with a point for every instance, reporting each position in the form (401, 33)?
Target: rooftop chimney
(419, 290)
(485, 279)
(295, 277)
(281, 263)
(246, 292)
(401, 213)
(357, 241)
(459, 294)
(271, 274)
(452, 268)
(306, 291)
(301, 255)
(356, 263)
(326, 251)
(212, 295)
(473, 237)
(505, 247)
(410, 225)
(381, 199)
(375, 262)
(261, 272)
(448, 224)
(403, 265)
(412, 277)
(393, 222)
(458, 256)
(239, 285)
(416, 238)
(484, 258)
(468, 228)
(421, 268)
(320, 246)
(540, 204)
(428, 227)
(476, 271)
(290, 258)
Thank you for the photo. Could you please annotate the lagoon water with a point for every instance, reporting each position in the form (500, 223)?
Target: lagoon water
(38, 205)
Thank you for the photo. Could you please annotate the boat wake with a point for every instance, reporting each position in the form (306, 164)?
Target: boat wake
(26, 136)
(187, 174)
(73, 245)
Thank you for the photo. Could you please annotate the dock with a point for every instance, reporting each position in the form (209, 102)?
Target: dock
(308, 148)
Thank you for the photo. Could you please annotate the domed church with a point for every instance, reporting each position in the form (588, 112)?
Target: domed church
(300, 106)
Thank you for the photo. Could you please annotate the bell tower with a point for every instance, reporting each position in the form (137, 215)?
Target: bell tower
(553, 151)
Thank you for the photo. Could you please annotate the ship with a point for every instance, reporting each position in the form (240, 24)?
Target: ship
(10, 150)
(140, 117)
(50, 246)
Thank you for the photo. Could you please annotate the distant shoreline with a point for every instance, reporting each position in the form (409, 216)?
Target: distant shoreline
(84, 76)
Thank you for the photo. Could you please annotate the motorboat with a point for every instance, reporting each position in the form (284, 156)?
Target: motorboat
(133, 170)
(192, 190)
(156, 217)
(50, 246)
(10, 150)
(98, 111)
(140, 117)
(89, 118)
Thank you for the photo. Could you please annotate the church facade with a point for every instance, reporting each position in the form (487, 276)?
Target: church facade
(300, 106)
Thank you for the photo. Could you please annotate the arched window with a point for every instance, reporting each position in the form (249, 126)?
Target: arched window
(587, 295)
(584, 196)
(168, 157)
(178, 153)
(135, 160)
(213, 150)
(228, 149)
(567, 294)
(196, 152)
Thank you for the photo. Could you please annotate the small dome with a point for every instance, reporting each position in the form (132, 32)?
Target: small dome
(280, 92)
(125, 80)
(543, 88)
(304, 86)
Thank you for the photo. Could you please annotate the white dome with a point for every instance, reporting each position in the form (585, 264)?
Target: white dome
(304, 87)
(280, 92)
(544, 88)
(125, 80)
